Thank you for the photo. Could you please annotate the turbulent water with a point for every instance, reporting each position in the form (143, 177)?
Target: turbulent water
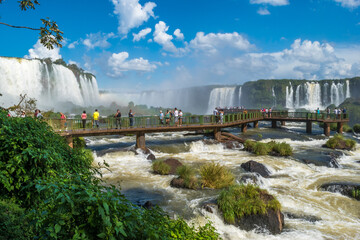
(49, 84)
(318, 214)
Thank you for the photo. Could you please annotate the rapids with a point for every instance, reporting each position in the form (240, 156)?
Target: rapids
(309, 212)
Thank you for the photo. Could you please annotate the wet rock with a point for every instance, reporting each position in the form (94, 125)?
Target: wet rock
(177, 183)
(151, 157)
(348, 189)
(210, 207)
(173, 163)
(251, 178)
(309, 218)
(272, 221)
(232, 145)
(327, 158)
(148, 205)
(253, 166)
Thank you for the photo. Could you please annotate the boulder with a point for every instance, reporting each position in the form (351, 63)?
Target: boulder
(348, 189)
(232, 145)
(151, 157)
(325, 157)
(272, 221)
(210, 207)
(253, 166)
(173, 163)
(309, 218)
(251, 178)
(177, 183)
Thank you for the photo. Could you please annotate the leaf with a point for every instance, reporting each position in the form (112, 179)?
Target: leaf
(102, 235)
(57, 228)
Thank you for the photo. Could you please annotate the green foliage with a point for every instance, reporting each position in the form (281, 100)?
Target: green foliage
(283, 149)
(160, 167)
(356, 194)
(30, 150)
(339, 142)
(347, 128)
(356, 128)
(241, 200)
(272, 148)
(213, 175)
(79, 142)
(262, 148)
(188, 174)
(13, 222)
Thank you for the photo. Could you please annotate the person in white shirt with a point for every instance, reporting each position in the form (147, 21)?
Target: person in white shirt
(176, 116)
(180, 117)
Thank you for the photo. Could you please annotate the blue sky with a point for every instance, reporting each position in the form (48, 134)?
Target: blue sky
(140, 45)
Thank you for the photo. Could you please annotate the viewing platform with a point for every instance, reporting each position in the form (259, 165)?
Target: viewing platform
(71, 128)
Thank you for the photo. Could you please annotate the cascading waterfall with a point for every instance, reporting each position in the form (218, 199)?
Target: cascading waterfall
(240, 96)
(337, 93)
(221, 97)
(313, 95)
(347, 89)
(289, 97)
(48, 83)
(274, 96)
(297, 96)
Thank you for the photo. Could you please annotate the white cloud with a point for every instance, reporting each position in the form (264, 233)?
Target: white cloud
(131, 14)
(119, 64)
(73, 44)
(349, 3)
(211, 43)
(39, 51)
(142, 34)
(263, 11)
(271, 2)
(97, 40)
(178, 34)
(165, 40)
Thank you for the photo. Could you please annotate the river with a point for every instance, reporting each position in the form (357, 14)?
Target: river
(310, 213)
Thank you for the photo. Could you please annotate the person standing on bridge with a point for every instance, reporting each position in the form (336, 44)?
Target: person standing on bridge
(176, 116)
(167, 117)
(96, 118)
(118, 119)
(83, 119)
(131, 118)
(161, 117)
(180, 117)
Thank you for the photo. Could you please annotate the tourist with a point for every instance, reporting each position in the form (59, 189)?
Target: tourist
(176, 117)
(344, 112)
(167, 117)
(83, 118)
(266, 112)
(270, 111)
(118, 119)
(23, 114)
(131, 118)
(62, 120)
(180, 117)
(39, 115)
(221, 116)
(161, 117)
(96, 116)
(216, 113)
(36, 113)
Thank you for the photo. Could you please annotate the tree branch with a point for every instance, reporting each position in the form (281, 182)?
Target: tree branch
(36, 29)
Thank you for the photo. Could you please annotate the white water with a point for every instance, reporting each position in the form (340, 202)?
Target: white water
(221, 97)
(289, 97)
(295, 185)
(240, 89)
(274, 96)
(48, 84)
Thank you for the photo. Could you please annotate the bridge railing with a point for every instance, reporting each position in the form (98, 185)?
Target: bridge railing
(306, 115)
(150, 121)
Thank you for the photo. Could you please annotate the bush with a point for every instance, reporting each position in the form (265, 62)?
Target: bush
(160, 167)
(283, 149)
(213, 175)
(188, 174)
(347, 128)
(241, 200)
(249, 145)
(13, 223)
(262, 148)
(339, 142)
(356, 128)
(79, 142)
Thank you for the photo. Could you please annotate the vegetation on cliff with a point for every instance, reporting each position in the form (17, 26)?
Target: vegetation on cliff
(269, 148)
(50, 191)
(214, 175)
(338, 141)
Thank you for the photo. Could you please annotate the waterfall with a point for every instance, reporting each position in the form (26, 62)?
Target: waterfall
(348, 89)
(325, 95)
(297, 96)
(313, 95)
(239, 96)
(337, 93)
(221, 97)
(49, 83)
(289, 97)
(274, 96)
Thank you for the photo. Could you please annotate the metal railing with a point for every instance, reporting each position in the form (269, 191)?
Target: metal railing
(192, 120)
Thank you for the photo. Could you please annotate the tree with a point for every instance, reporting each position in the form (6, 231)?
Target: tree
(50, 34)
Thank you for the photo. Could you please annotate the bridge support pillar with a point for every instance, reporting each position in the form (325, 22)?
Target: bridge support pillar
(282, 123)
(256, 124)
(69, 140)
(140, 140)
(326, 129)
(340, 127)
(308, 127)
(217, 134)
(273, 124)
(244, 127)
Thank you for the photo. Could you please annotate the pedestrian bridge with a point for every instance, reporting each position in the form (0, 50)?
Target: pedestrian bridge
(71, 128)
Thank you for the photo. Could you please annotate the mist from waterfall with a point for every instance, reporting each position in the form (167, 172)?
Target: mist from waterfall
(221, 97)
(48, 83)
